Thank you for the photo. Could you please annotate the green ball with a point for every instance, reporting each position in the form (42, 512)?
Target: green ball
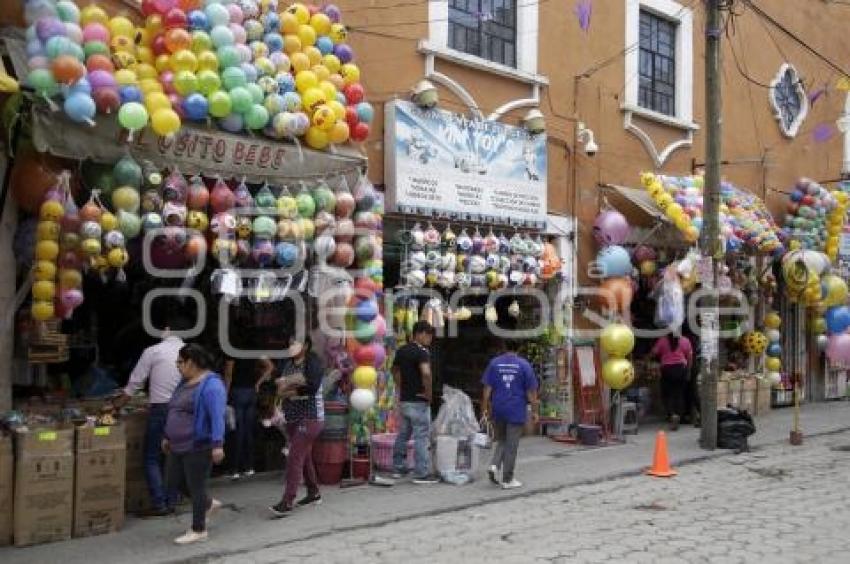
(42, 81)
(241, 99)
(208, 82)
(220, 104)
(228, 56)
(231, 77)
(201, 41)
(257, 93)
(185, 82)
(256, 117)
(127, 172)
(95, 48)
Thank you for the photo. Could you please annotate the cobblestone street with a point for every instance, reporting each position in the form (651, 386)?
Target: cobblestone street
(778, 504)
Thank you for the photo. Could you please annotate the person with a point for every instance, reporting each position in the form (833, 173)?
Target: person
(194, 435)
(412, 376)
(510, 386)
(241, 378)
(157, 367)
(300, 385)
(676, 356)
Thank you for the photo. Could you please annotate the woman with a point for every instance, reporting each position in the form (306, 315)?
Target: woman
(300, 386)
(241, 377)
(676, 357)
(194, 435)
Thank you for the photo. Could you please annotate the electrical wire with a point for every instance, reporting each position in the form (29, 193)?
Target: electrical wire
(441, 20)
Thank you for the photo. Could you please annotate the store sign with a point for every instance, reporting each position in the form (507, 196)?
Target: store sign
(447, 164)
(228, 151)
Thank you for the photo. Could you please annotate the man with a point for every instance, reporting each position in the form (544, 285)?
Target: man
(412, 377)
(509, 387)
(158, 367)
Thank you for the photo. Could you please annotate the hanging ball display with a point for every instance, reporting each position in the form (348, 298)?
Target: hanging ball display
(362, 399)
(772, 320)
(614, 261)
(617, 340)
(837, 319)
(364, 376)
(618, 373)
(754, 342)
(610, 228)
(833, 290)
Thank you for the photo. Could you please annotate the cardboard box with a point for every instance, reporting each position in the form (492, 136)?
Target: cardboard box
(735, 388)
(44, 485)
(99, 480)
(136, 497)
(7, 489)
(722, 393)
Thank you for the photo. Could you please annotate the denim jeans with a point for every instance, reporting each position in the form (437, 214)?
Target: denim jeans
(189, 472)
(245, 405)
(415, 420)
(154, 434)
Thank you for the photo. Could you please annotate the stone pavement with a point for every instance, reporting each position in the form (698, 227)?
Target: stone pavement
(243, 528)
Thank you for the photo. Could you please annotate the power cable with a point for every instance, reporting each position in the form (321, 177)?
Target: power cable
(440, 20)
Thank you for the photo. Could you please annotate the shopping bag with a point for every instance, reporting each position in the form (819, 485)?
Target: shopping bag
(484, 438)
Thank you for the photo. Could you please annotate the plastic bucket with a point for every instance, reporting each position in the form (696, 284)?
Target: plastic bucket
(330, 451)
(589, 434)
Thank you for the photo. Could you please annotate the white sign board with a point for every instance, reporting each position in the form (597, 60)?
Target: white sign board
(447, 164)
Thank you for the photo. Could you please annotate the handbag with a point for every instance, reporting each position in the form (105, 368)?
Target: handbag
(484, 438)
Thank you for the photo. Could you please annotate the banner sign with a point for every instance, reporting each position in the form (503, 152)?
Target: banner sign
(450, 165)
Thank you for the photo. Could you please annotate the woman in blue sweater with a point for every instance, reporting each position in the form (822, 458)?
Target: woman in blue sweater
(194, 435)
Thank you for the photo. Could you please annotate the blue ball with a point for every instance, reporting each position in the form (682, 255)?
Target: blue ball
(274, 41)
(366, 310)
(325, 44)
(196, 107)
(81, 85)
(365, 112)
(837, 319)
(286, 83)
(80, 107)
(614, 261)
(292, 102)
(198, 21)
(286, 254)
(271, 21)
(130, 94)
(774, 350)
(232, 123)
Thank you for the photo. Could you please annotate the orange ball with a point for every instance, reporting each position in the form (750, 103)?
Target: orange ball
(67, 69)
(177, 39)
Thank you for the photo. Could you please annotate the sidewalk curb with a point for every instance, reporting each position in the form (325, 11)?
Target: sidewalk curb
(711, 455)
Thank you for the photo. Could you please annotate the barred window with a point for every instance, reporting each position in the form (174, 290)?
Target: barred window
(657, 88)
(484, 28)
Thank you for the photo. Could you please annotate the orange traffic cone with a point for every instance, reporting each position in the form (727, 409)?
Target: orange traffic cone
(661, 460)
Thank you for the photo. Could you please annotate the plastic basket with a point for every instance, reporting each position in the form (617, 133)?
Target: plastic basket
(382, 451)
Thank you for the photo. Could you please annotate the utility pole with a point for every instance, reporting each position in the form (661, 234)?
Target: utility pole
(710, 236)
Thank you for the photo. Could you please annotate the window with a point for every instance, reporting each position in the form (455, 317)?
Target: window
(657, 88)
(484, 28)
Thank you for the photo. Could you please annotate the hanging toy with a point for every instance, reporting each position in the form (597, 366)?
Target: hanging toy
(431, 237)
(449, 237)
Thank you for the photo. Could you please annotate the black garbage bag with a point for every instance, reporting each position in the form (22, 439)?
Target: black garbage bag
(733, 428)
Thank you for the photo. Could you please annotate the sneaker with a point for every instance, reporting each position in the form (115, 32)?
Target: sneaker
(280, 510)
(512, 485)
(674, 423)
(398, 474)
(248, 473)
(235, 476)
(215, 505)
(191, 537)
(491, 472)
(155, 512)
(310, 499)
(431, 479)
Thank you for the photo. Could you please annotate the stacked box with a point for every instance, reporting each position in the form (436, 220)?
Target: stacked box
(7, 489)
(137, 497)
(749, 389)
(44, 485)
(101, 462)
(722, 393)
(763, 396)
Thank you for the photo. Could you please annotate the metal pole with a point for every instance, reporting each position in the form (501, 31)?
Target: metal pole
(709, 240)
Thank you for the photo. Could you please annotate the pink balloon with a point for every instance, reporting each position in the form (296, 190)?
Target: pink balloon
(838, 348)
(96, 32)
(610, 228)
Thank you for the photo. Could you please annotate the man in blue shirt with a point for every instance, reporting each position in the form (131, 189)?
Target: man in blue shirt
(509, 387)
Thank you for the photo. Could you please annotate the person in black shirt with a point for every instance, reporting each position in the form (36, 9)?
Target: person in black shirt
(241, 377)
(412, 377)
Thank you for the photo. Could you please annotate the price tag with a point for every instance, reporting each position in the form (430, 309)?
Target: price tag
(47, 436)
(101, 431)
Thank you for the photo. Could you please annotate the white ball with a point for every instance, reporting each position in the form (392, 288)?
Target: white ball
(774, 378)
(362, 399)
(773, 335)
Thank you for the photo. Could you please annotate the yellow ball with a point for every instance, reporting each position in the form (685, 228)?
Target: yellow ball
(332, 63)
(307, 35)
(70, 278)
(126, 77)
(618, 373)
(338, 108)
(162, 63)
(117, 257)
(144, 54)
(351, 74)
(44, 270)
(93, 14)
(339, 133)
(44, 290)
(321, 23)
(146, 71)
(153, 25)
(313, 54)
(288, 23)
(184, 60)
(165, 121)
(312, 99)
(300, 62)
(291, 44)
(157, 101)
(108, 221)
(338, 33)
(772, 320)
(773, 364)
(364, 377)
(207, 60)
(301, 13)
(47, 250)
(90, 247)
(316, 138)
(617, 340)
(321, 72)
(47, 231)
(51, 210)
(329, 89)
(306, 80)
(42, 310)
(148, 85)
(119, 25)
(324, 118)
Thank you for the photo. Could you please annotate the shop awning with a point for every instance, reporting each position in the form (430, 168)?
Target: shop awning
(650, 224)
(193, 150)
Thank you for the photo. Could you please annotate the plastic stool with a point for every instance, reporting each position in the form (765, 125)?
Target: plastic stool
(629, 417)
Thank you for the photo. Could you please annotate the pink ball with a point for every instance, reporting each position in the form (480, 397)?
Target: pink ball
(236, 14)
(644, 252)
(38, 62)
(167, 81)
(610, 228)
(239, 34)
(102, 79)
(177, 104)
(71, 298)
(74, 33)
(380, 327)
(96, 32)
(838, 348)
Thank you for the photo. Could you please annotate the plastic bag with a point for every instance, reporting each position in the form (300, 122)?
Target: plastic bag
(670, 305)
(456, 417)
(733, 428)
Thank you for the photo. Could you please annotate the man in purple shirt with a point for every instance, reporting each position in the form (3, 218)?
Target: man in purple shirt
(509, 387)
(157, 367)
